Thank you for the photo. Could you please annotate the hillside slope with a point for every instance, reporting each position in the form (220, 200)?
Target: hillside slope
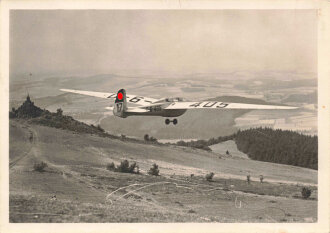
(82, 187)
(76, 186)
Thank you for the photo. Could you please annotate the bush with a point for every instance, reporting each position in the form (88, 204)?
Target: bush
(149, 139)
(152, 139)
(100, 128)
(132, 167)
(59, 112)
(40, 167)
(111, 166)
(306, 192)
(154, 171)
(124, 167)
(248, 179)
(146, 137)
(209, 176)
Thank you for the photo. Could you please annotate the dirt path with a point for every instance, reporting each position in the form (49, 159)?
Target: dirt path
(32, 141)
(36, 152)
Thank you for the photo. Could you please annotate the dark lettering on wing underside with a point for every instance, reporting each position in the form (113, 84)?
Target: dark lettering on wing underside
(222, 105)
(111, 96)
(195, 104)
(209, 104)
(135, 99)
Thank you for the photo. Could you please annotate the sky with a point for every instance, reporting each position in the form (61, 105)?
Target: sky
(175, 41)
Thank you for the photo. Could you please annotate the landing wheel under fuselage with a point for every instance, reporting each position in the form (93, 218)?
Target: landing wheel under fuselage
(168, 121)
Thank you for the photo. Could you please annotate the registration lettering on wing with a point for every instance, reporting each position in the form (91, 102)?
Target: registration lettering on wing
(213, 104)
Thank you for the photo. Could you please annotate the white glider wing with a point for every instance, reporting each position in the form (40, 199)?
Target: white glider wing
(134, 99)
(90, 93)
(220, 105)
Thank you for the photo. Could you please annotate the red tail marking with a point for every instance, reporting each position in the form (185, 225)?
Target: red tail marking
(120, 96)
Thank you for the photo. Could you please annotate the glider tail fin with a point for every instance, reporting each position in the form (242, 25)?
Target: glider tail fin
(120, 106)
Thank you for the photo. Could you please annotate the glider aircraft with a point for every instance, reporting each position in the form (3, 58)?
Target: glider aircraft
(166, 107)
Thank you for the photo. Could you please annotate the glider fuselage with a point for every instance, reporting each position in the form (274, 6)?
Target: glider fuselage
(159, 111)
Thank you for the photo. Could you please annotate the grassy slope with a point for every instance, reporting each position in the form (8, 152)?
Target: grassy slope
(231, 146)
(76, 175)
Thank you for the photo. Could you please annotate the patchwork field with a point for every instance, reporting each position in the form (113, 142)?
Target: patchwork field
(231, 87)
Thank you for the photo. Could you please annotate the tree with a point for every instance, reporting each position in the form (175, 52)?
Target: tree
(40, 167)
(306, 192)
(209, 176)
(248, 179)
(59, 112)
(146, 137)
(154, 171)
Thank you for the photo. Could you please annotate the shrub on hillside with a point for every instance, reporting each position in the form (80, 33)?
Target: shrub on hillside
(306, 192)
(100, 128)
(59, 112)
(40, 167)
(146, 137)
(209, 176)
(248, 179)
(111, 166)
(154, 171)
(124, 167)
(152, 139)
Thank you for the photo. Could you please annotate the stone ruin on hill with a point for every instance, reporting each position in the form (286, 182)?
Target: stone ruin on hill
(26, 110)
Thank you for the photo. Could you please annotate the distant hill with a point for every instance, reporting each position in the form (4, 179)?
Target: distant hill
(238, 99)
(310, 98)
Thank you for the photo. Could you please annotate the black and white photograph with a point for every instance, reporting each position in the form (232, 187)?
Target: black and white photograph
(163, 116)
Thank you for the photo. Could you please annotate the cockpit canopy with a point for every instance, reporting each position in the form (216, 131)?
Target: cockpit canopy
(174, 99)
(171, 99)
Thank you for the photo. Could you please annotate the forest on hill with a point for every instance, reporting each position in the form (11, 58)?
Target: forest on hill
(269, 145)
(279, 146)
